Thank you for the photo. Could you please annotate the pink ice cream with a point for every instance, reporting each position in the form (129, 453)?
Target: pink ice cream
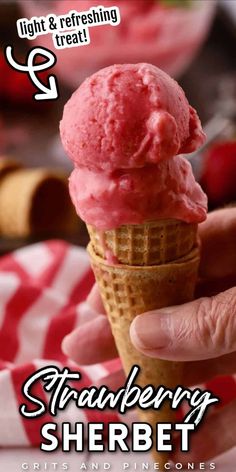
(123, 128)
(127, 116)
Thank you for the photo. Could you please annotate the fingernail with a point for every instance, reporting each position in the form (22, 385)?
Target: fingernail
(151, 330)
(94, 299)
(92, 294)
(65, 345)
(85, 313)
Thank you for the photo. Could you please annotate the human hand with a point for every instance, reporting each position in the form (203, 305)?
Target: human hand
(202, 333)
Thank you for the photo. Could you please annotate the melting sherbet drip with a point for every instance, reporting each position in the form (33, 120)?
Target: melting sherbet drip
(109, 256)
(131, 246)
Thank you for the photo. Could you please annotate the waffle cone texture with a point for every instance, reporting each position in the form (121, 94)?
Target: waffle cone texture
(32, 201)
(129, 290)
(151, 243)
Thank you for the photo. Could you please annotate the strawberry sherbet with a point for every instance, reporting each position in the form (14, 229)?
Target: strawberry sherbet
(123, 128)
(126, 116)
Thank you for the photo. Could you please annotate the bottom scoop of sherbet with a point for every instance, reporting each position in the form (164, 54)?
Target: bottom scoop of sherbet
(166, 190)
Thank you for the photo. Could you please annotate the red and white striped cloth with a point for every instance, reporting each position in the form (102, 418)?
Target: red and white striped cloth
(42, 290)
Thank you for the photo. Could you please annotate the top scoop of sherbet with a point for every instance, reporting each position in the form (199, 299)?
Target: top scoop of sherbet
(128, 116)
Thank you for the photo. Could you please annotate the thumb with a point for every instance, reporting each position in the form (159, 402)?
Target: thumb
(202, 329)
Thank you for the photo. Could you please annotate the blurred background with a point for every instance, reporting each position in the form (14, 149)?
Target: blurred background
(193, 40)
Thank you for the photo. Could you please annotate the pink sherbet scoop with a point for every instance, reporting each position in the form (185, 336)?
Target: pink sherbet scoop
(123, 128)
(127, 116)
(165, 190)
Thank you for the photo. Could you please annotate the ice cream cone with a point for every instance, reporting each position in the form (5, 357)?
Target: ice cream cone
(125, 129)
(34, 201)
(8, 164)
(151, 243)
(130, 290)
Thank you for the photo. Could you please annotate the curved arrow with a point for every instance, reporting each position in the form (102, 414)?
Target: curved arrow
(50, 92)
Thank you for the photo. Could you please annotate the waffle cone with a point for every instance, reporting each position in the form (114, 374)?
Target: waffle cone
(151, 243)
(8, 164)
(33, 201)
(130, 290)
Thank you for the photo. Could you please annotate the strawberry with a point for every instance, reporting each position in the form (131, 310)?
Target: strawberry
(219, 173)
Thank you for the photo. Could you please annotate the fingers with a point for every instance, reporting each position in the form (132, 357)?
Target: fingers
(197, 372)
(218, 253)
(94, 299)
(202, 329)
(114, 380)
(194, 372)
(86, 313)
(90, 343)
(219, 431)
